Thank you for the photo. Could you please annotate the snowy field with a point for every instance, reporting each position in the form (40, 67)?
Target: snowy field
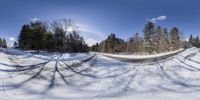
(79, 76)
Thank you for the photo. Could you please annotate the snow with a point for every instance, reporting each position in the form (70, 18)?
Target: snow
(89, 76)
(139, 57)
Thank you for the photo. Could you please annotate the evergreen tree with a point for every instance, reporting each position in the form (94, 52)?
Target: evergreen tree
(59, 39)
(67, 37)
(134, 44)
(49, 44)
(38, 35)
(4, 43)
(157, 38)
(25, 37)
(75, 43)
(191, 40)
(194, 41)
(15, 45)
(112, 44)
(162, 43)
(167, 38)
(149, 37)
(1, 42)
(175, 39)
(197, 41)
(95, 47)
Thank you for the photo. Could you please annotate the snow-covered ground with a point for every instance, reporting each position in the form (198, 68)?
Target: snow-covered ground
(79, 76)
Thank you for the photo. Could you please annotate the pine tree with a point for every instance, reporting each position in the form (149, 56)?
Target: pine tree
(76, 43)
(175, 39)
(191, 40)
(194, 41)
(38, 30)
(95, 47)
(1, 42)
(59, 39)
(112, 44)
(4, 43)
(149, 37)
(25, 37)
(49, 43)
(197, 41)
(157, 37)
(134, 44)
(162, 42)
(167, 39)
(15, 45)
(33, 36)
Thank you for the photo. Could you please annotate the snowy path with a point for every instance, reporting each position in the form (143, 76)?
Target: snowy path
(89, 76)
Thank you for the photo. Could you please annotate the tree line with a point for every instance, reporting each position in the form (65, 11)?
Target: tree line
(3, 43)
(194, 41)
(154, 40)
(55, 36)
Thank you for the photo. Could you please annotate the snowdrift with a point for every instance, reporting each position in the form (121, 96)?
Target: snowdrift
(144, 57)
(13, 51)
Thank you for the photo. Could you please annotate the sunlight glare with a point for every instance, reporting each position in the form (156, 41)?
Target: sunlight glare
(70, 29)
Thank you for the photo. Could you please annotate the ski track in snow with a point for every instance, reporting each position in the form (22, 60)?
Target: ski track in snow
(26, 76)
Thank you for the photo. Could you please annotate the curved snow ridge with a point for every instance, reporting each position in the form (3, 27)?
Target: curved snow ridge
(44, 55)
(143, 57)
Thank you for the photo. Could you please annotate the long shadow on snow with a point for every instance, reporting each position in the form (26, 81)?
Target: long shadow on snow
(80, 72)
(176, 82)
(52, 81)
(18, 85)
(193, 67)
(123, 85)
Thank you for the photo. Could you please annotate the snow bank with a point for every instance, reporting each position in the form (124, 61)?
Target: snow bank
(13, 51)
(142, 57)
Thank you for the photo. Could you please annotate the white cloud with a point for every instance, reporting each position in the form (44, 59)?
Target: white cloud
(34, 19)
(12, 39)
(161, 18)
(157, 19)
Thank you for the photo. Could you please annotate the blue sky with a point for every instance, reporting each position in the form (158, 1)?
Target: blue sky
(98, 18)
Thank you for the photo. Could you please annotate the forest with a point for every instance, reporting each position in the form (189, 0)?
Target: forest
(64, 36)
(154, 40)
(194, 41)
(3, 43)
(55, 36)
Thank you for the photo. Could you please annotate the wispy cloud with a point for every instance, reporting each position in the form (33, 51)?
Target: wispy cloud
(157, 19)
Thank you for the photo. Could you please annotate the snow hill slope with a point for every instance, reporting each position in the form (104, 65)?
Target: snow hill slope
(26, 76)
